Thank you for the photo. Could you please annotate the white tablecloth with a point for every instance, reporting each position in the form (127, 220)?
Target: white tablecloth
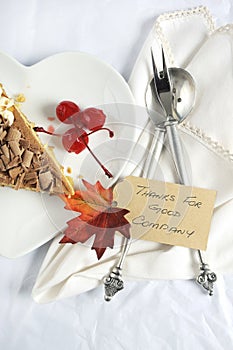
(147, 315)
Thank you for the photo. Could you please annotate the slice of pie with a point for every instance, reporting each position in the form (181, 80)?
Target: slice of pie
(24, 161)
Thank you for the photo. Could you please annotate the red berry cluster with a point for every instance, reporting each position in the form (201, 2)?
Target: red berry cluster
(76, 139)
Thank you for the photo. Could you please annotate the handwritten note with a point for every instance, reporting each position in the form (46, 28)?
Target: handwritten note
(166, 212)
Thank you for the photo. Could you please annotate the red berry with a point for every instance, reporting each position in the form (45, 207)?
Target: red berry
(75, 140)
(65, 110)
(90, 118)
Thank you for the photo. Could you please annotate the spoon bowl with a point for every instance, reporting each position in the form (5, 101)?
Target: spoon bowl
(183, 89)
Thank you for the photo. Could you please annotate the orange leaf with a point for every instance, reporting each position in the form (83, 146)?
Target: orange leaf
(97, 217)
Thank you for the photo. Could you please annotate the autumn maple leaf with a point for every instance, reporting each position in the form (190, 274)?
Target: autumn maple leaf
(98, 216)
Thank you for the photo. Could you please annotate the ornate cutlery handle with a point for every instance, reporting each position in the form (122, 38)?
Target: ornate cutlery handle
(113, 283)
(206, 278)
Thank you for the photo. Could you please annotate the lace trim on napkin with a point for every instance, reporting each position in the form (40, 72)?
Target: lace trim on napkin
(199, 11)
(225, 29)
(207, 140)
(201, 135)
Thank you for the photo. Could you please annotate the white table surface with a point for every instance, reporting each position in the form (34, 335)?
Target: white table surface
(147, 315)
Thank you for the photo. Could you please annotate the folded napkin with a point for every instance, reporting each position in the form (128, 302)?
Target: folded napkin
(190, 41)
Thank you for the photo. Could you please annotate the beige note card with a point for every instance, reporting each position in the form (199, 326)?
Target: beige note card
(166, 212)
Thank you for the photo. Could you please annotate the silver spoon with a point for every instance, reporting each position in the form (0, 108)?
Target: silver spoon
(183, 100)
(165, 88)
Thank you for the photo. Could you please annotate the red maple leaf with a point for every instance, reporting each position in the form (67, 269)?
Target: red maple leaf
(98, 216)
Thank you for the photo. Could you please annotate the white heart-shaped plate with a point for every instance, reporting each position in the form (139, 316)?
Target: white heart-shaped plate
(29, 219)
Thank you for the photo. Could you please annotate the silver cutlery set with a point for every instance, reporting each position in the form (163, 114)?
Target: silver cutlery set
(170, 93)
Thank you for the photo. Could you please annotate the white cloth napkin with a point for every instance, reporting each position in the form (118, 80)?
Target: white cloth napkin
(188, 41)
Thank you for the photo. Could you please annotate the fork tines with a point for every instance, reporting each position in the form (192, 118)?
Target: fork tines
(162, 80)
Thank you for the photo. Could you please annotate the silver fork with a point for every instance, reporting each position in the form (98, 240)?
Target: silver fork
(113, 282)
(163, 89)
